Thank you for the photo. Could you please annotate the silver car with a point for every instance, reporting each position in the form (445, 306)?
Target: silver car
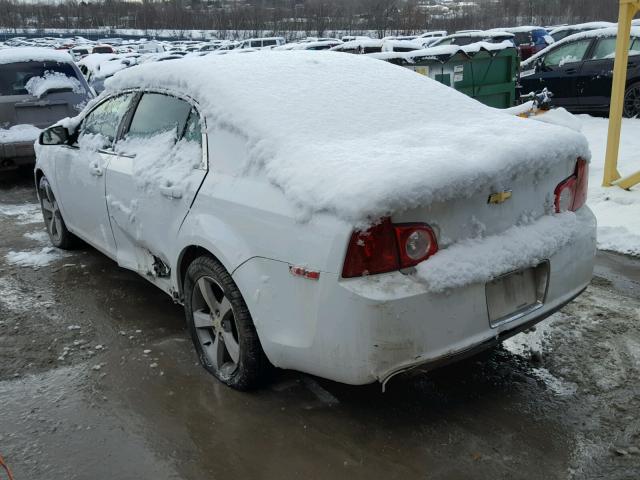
(38, 87)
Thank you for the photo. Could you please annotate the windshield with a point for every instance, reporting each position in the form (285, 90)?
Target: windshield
(14, 76)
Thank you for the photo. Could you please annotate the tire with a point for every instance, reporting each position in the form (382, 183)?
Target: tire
(221, 327)
(59, 236)
(631, 108)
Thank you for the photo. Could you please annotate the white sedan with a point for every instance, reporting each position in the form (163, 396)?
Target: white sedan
(323, 212)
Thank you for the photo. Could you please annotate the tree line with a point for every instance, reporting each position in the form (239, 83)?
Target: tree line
(294, 17)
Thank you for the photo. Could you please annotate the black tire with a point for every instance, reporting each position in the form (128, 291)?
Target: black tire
(59, 235)
(228, 320)
(631, 106)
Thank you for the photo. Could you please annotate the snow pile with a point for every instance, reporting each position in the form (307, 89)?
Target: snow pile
(34, 258)
(443, 51)
(25, 213)
(19, 133)
(36, 54)
(342, 150)
(39, 86)
(478, 260)
(617, 210)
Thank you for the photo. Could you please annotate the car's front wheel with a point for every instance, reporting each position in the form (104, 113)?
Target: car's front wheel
(56, 228)
(632, 101)
(221, 327)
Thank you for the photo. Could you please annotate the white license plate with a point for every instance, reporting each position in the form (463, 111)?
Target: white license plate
(516, 294)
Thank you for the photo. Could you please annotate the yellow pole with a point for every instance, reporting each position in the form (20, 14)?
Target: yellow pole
(628, 8)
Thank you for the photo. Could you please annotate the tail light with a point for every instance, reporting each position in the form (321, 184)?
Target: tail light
(387, 247)
(571, 193)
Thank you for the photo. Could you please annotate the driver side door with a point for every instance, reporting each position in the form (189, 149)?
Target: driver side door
(80, 174)
(559, 72)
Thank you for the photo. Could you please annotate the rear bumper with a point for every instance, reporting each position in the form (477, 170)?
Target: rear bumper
(17, 154)
(368, 329)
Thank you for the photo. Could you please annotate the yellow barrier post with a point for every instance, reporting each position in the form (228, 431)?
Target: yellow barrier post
(628, 8)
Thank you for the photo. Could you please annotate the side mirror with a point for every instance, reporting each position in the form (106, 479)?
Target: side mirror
(56, 135)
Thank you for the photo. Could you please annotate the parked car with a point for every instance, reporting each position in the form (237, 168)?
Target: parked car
(578, 70)
(351, 250)
(529, 40)
(78, 53)
(102, 49)
(267, 42)
(564, 31)
(38, 87)
(467, 38)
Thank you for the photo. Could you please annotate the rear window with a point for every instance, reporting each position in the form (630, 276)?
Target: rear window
(14, 76)
(102, 50)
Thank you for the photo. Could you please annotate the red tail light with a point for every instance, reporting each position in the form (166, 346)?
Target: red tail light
(571, 193)
(386, 247)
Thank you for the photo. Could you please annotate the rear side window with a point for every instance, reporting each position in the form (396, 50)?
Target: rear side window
(105, 119)
(15, 76)
(158, 113)
(268, 43)
(606, 48)
(568, 53)
(256, 44)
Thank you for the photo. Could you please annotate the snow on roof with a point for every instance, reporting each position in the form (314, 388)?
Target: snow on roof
(583, 26)
(93, 60)
(443, 50)
(481, 33)
(523, 29)
(323, 127)
(601, 32)
(37, 54)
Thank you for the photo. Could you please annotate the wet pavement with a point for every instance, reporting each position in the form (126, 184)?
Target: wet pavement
(99, 380)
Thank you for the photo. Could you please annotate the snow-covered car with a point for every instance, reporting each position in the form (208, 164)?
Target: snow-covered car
(38, 87)
(351, 250)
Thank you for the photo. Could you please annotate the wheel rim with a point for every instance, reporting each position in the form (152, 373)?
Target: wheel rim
(632, 102)
(215, 326)
(50, 211)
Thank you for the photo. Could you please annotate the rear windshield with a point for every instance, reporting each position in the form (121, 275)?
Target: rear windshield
(523, 37)
(14, 76)
(102, 50)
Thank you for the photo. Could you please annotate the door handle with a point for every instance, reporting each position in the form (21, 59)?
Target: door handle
(171, 192)
(95, 170)
(570, 71)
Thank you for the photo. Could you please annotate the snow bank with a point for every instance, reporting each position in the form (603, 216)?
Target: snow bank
(25, 54)
(39, 86)
(35, 258)
(19, 133)
(478, 260)
(355, 136)
(617, 210)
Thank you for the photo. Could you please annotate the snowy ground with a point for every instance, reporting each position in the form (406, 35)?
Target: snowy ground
(618, 211)
(98, 379)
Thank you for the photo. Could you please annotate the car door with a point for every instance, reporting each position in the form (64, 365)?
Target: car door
(80, 173)
(153, 181)
(596, 76)
(558, 71)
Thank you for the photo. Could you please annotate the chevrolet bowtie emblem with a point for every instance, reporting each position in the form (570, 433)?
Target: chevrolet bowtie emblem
(500, 197)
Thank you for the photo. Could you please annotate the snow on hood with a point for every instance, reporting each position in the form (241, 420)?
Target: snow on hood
(355, 136)
(26, 54)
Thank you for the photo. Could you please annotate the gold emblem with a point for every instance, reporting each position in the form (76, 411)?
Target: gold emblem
(500, 197)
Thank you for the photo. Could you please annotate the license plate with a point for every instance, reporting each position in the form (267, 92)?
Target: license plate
(516, 294)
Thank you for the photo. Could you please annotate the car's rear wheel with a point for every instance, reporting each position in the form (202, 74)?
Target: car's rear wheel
(221, 327)
(632, 101)
(56, 228)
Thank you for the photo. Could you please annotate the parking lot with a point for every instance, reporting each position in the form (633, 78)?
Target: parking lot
(98, 379)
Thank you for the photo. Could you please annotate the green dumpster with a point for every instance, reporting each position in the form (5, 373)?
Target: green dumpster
(489, 76)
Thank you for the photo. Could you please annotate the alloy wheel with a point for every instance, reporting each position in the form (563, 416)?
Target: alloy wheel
(632, 101)
(51, 212)
(215, 326)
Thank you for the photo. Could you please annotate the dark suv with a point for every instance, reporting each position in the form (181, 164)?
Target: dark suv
(38, 87)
